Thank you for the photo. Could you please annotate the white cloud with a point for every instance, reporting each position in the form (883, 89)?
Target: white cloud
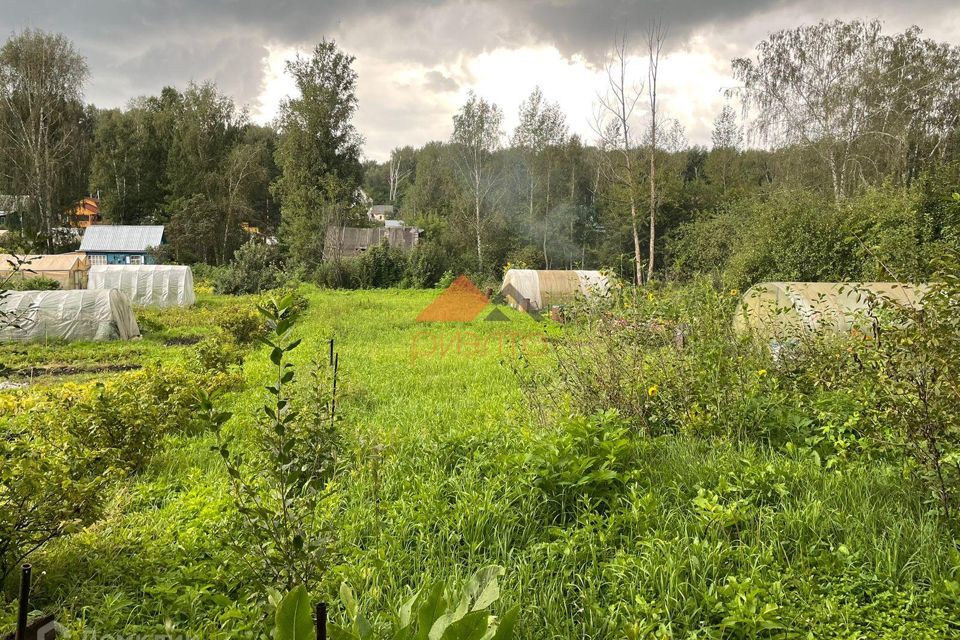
(400, 105)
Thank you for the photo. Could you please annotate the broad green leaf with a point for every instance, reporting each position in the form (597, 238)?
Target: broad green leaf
(439, 627)
(294, 620)
(335, 632)
(472, 626)
(349, 600)
(507, 624)
(405, 610)
(432, 608)
(486, 591)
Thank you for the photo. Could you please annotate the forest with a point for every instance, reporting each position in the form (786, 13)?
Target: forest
(830, 165)
(627, 465)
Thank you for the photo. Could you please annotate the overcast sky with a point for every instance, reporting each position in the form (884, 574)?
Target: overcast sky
(418, 59)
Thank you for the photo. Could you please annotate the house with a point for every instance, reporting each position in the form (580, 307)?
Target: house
(349, 242)
(10, 206)
(86, 213)
(381, 212)
(121, 244)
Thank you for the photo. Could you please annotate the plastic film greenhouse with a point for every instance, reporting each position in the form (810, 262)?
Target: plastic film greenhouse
(535, 290)
(31, 316)
(147, 285)
(784, 309)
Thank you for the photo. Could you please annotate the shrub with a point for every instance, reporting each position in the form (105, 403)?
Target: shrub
(426, 264)
(38, 283)
(279, 485)
(122, 420)
(218, 353)
(255, 268)
(588, 465)
(49, 486)
(241, 322)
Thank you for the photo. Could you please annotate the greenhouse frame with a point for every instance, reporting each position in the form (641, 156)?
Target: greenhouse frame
(67, 269)
(147, 285)
(536, 290)
(33, 316)
(792, 309)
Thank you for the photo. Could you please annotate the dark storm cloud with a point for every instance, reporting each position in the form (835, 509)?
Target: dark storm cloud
(142, 44)
(136, 47)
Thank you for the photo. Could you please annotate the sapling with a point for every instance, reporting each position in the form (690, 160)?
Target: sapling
(279, 485)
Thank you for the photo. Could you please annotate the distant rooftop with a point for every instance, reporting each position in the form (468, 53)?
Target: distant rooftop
(121, 238)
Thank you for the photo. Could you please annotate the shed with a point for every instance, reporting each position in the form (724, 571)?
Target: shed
(121, 244)
(536, 290)
(791, 309)
(147, 285)
(349, 242)
(69, 269)
(67, 315)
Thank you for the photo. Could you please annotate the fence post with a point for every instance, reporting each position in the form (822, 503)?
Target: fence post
(322, 621)
(24, 604)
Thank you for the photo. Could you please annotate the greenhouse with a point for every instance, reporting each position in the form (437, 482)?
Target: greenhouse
(147, 285)
(536, 290)
(69, 270)
(790, 309)
(30, 316)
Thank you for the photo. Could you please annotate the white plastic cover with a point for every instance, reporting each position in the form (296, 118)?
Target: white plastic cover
(67, 315)
(538, 289)
(147, 285)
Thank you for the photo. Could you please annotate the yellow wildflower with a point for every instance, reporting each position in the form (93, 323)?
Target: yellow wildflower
(652, 391)
(762, 372)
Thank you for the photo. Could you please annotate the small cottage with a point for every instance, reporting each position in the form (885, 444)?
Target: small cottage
(121, 244)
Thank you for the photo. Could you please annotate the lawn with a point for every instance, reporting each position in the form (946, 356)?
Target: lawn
(445, 469)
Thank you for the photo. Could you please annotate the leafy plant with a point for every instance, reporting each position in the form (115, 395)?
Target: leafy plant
(280, 486)
(255, 268)
(588, 464)
(436, 613)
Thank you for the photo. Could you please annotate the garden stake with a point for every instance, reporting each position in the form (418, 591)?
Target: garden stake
(322, 621)
(333, 396)
(24, 604)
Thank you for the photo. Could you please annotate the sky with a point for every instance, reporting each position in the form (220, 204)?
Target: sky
(417, 60)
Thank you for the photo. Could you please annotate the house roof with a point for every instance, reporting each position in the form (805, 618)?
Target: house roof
(121, 238)
(380, 209)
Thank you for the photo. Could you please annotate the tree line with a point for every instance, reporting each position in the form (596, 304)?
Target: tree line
(834, 157)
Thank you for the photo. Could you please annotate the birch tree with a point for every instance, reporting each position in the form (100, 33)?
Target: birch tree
(477, 132)
(398, 170)
(541, 131)
(656, 36)
(42, 123)
(613, 124)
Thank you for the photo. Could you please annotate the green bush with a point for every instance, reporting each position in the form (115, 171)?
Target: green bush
(218, 353)
(242, 322)
(255, 268)
(38, 283)
(586, 466)
(425, 266)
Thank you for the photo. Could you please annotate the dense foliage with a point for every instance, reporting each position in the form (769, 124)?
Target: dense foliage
(849, 183)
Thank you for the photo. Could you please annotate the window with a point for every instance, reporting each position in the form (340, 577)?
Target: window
(135, 260)
(97, 259)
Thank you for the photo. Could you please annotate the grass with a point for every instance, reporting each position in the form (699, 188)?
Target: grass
(441, 474)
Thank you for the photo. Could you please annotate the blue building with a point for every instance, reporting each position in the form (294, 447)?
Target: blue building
(121, 244)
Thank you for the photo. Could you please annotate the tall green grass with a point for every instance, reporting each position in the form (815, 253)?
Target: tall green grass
(440, 476)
